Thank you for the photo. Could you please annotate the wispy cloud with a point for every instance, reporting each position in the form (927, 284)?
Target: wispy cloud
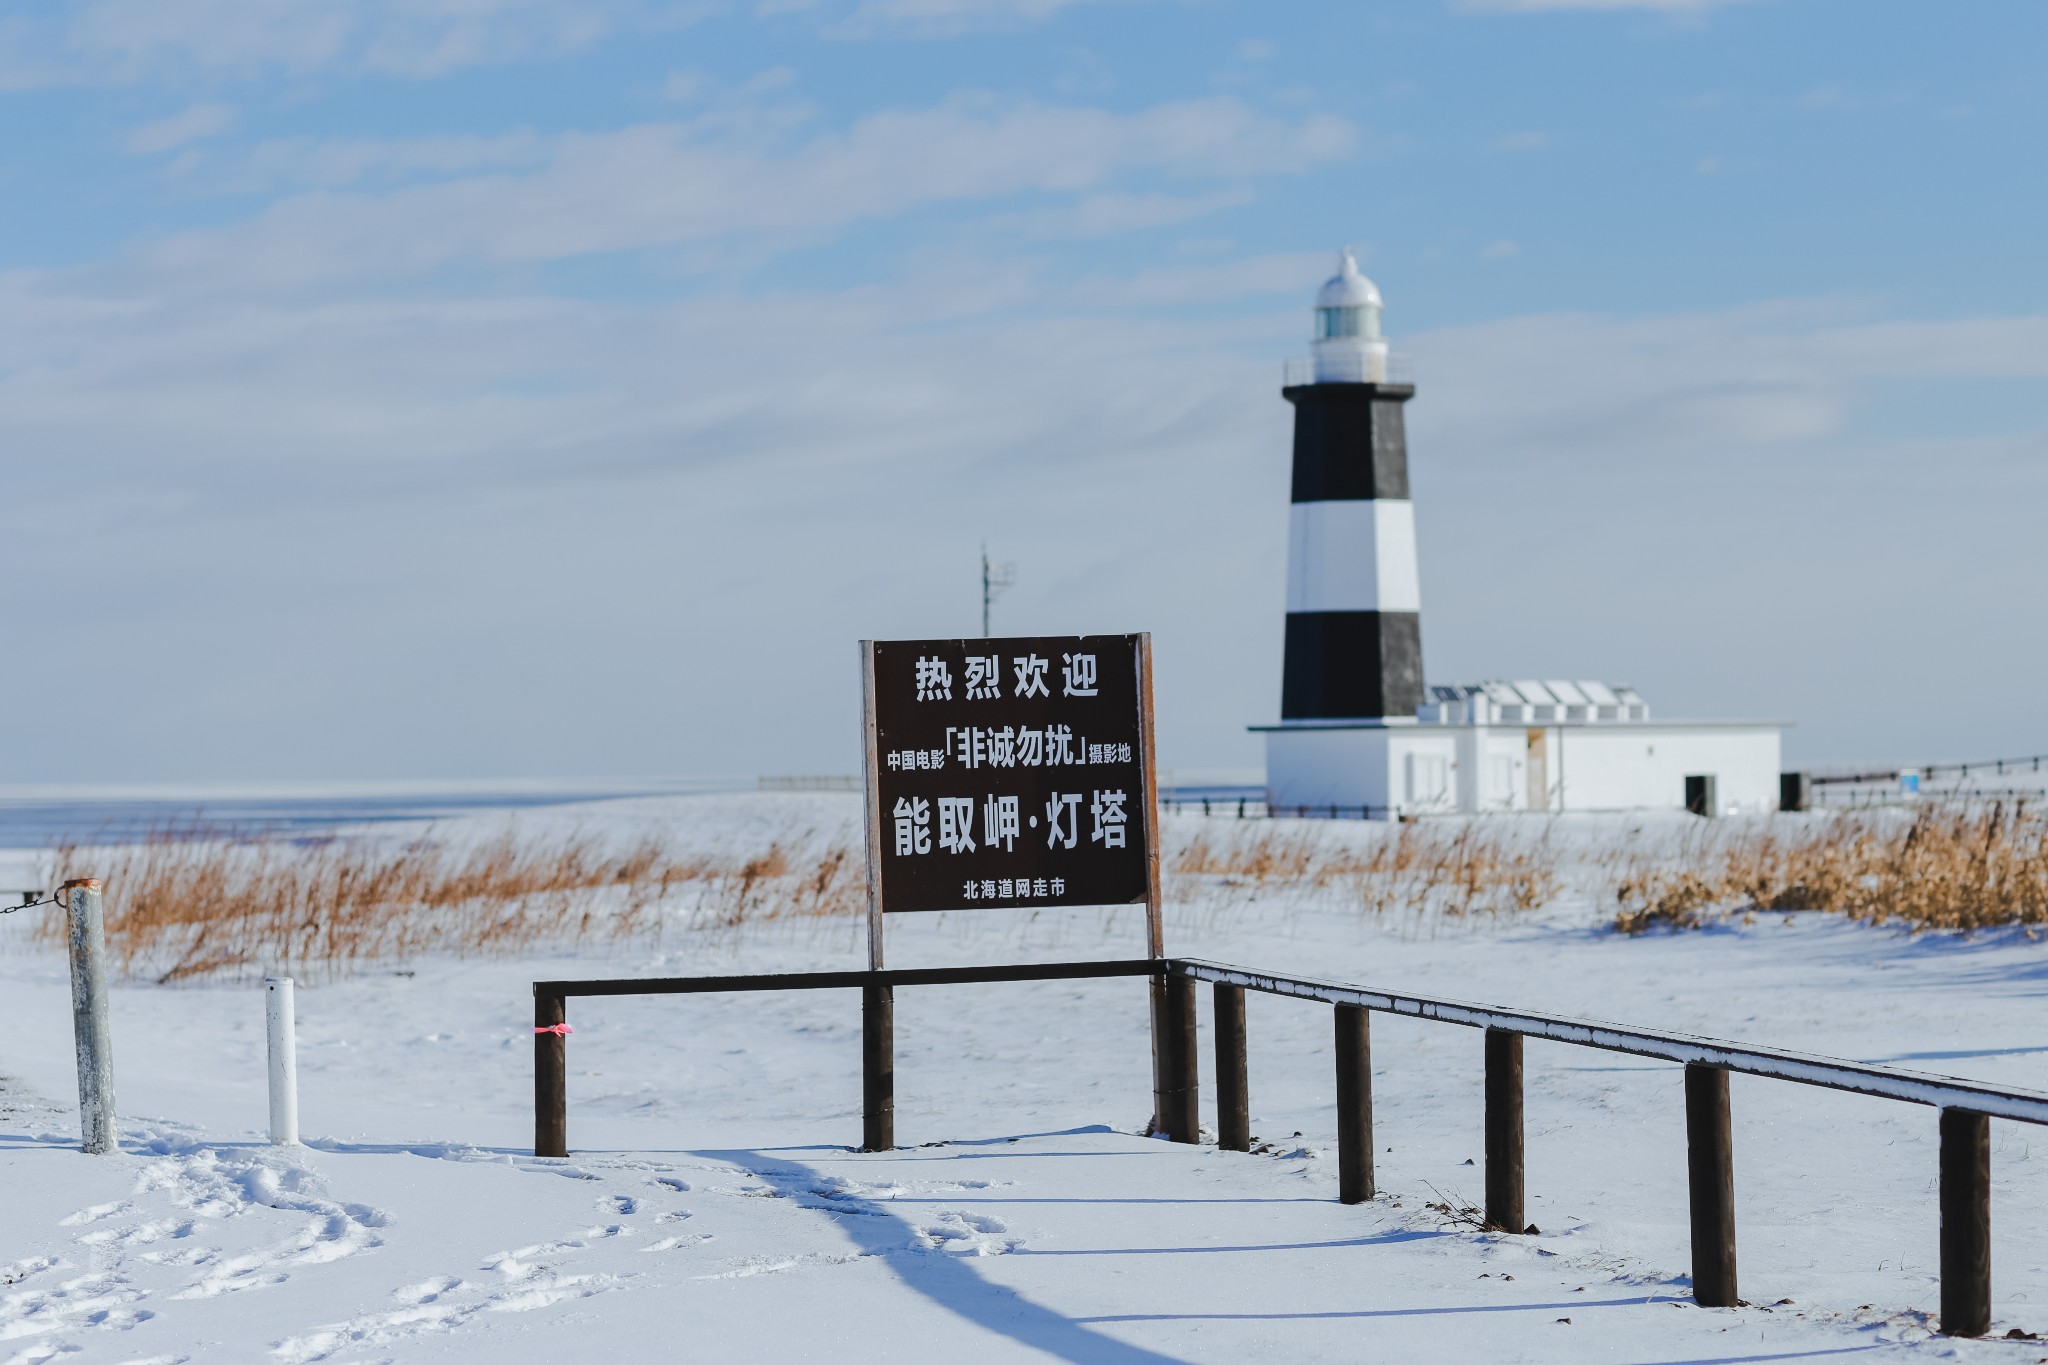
(111, 42)
(668, 184)
(1102, 215)
(941, 18)
(191, 125)
(1540, 6)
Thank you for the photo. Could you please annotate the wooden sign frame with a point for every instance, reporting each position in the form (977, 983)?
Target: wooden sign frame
(875, 822)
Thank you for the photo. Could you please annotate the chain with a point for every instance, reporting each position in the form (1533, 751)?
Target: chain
(29, 902)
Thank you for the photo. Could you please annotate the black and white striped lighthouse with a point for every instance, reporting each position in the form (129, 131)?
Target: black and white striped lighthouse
(1358, 733)
(1354, 622)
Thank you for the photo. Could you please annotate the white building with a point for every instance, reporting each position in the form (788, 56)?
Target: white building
(1523, 745)
(1358, 729)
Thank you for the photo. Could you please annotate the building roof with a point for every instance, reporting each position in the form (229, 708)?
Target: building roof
(1526, 700)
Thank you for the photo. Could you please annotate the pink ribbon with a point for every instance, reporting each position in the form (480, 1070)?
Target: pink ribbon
(561, 1030)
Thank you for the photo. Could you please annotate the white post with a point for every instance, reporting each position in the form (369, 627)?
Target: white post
(284, 1061)
(90, 1030)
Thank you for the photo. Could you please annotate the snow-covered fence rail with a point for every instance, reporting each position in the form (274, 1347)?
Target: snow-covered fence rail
(1966, 1107)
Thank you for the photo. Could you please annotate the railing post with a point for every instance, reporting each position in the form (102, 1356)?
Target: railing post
(1186, 1105)
(1233, 1098)
(1354, 1104)
(1178, 1083)
(1710, 1177)
(1161, 1052)
(550, 1076)
(878, 1068)
(1504, 1131)
(1965, 1223)
(91, 1033)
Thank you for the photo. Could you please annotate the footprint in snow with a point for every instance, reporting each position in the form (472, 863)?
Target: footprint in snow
(97, 1300)
(21, 1270)
(96, 1213)
(960, 1233)
(427, 1291)
(140, 1235)
(622, 1204)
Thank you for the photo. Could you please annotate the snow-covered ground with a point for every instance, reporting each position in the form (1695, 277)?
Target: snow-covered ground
(714, 1211)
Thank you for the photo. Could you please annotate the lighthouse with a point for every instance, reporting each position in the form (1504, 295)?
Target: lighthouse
(1359, 732)
(1354, 597)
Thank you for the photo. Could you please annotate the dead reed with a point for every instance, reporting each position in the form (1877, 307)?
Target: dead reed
(1453, 870)
(187, 903)
(183, 904)
(1944, 867)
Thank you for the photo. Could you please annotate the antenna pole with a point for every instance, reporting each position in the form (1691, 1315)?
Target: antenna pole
(996, 579)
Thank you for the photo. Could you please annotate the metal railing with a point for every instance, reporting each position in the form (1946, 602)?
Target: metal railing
(1257, 808)
(1297, 370)
(1966, 1107)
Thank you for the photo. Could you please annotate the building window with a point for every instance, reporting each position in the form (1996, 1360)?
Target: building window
(1429, 779)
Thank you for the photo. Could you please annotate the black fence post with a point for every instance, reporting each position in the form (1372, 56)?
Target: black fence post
(1233, 1097)
(878, 1068)
(550, 1076)
(1162, 1053)
(1181, 1120)
(1354, 1104)
(1504, 1131)
(1965, 1223)
(1710, 1177)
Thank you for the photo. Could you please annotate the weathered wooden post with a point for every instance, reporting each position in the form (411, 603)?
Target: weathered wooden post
(90, 1029)
(1965, 1223)
(1710, 1178)
(1233, 1097)
(1504, 1131)
(550, 1076)
(1181, 1116)
(878, 1068)
(1354, 1104)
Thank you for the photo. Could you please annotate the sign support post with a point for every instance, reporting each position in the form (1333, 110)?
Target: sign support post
(1155, 934)
(878, 1003)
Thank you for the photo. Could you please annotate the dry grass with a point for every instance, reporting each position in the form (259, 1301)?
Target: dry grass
(1454, 870)
(1958, 867)
(184, 905)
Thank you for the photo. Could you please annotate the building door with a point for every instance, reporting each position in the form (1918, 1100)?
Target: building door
(1539, 770)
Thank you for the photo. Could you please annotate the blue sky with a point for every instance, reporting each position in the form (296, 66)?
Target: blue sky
(487, 388)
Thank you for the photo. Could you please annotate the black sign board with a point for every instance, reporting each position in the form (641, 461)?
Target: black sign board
(1010, 773)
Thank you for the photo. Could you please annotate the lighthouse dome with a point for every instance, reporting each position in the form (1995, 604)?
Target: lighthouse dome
(1348, 345)
(1347, 288)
